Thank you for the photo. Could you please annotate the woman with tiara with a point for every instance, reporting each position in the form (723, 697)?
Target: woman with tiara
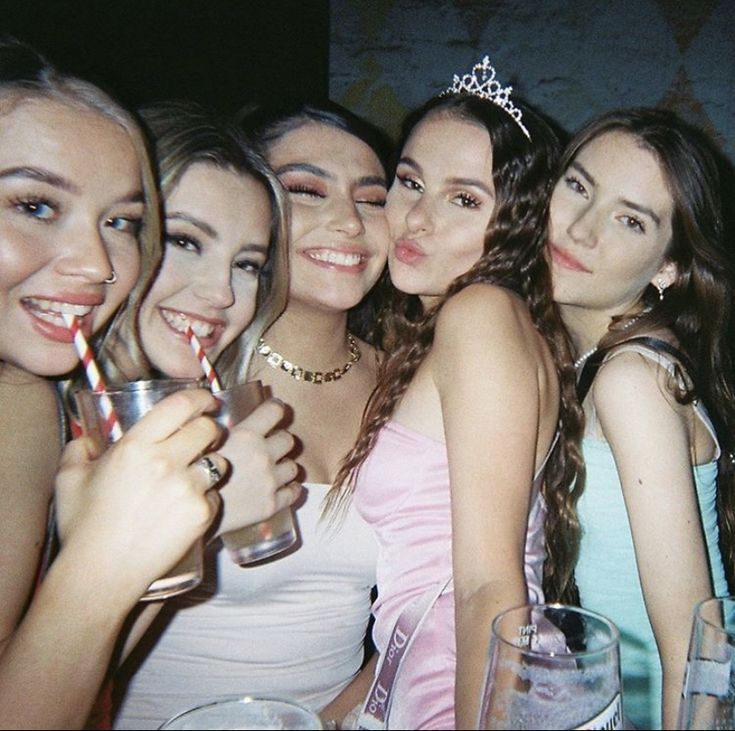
(465, 449)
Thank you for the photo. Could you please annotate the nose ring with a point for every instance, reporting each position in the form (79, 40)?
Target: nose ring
(112, 278)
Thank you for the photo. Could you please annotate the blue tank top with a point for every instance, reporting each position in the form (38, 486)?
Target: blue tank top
(607, 574)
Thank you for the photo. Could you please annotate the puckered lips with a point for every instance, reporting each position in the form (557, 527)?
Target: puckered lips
(342, 259)
(565, 260)
(207, 329)
(47, 314)
(408, 251)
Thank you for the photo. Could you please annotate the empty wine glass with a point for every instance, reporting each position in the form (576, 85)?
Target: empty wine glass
(552, 666)
(708, 695)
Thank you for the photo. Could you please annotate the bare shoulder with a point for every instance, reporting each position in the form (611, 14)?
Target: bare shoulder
(482, 307)
(29, 422)
(628, 378)
(23, 396)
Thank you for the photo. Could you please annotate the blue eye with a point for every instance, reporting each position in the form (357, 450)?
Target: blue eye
(125, 224)
(38, 208)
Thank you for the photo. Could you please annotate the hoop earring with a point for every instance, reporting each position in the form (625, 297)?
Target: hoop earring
(111, 279)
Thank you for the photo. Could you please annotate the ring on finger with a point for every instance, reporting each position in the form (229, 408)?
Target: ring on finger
(207, 463)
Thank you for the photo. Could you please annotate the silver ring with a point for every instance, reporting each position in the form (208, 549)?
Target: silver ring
(111, 279)
(212, 472)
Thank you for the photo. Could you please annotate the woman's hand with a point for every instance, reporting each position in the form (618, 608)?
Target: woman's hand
(131, 512)
(262, 478)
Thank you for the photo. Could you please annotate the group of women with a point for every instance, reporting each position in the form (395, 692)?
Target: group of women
(537, 406)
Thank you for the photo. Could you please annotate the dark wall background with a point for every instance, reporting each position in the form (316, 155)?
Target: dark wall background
(222, 53)
(572, 58)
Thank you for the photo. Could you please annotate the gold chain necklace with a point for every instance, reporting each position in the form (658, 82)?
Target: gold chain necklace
(277, 361)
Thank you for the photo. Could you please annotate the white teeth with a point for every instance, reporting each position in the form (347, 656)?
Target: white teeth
(337, 257)
(180, 322)
(51, 309)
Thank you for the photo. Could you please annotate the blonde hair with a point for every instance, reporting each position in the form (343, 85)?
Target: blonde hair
(184, 134)
(26, 76)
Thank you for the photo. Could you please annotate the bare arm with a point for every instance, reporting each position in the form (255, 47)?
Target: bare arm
(29, 455)
(125, 519)
(486, 371)
(352, 695)
(648, 434)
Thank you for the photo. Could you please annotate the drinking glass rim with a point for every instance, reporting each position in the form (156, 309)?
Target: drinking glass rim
(147, 384)
(608, 623)
(712, 600)
(237, 699)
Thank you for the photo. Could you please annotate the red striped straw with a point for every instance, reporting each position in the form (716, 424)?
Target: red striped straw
(112, 425)
(206, 366)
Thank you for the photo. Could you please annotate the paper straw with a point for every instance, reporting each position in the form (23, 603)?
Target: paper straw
(94, 377)
(206, 366)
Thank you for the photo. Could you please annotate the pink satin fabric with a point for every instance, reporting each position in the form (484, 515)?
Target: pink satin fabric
(403, 492)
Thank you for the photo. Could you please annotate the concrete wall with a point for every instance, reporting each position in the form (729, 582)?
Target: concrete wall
(572, 58)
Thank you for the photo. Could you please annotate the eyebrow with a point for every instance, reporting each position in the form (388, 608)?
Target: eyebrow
(211, 232)
(45, 176)
(644, 210)
(471, 182)
(194, 221)
(40, 175)
(305, 167)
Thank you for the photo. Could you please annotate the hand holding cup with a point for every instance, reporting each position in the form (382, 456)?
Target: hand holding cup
(146, 499)
(261, 481)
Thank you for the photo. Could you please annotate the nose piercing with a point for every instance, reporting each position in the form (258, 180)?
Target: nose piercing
(112, 278)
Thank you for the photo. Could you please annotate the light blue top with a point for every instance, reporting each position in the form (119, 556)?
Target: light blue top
(608, 578)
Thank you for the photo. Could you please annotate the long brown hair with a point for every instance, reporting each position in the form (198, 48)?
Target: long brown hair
(698, 305)
(513, 257)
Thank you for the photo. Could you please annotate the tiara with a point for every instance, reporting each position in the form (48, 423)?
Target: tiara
(486, 86)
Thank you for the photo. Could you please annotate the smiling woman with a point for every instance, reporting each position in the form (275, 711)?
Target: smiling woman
(54, 204)
(77, 241)
(293, 626)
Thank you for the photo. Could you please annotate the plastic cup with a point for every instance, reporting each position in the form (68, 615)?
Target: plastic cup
(246, 713)
(131, 401)
(275, 534)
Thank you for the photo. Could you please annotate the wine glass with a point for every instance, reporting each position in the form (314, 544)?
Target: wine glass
(552, 666)
(708, 695)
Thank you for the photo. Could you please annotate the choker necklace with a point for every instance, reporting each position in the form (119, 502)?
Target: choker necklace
(277, 361)
(584, 357)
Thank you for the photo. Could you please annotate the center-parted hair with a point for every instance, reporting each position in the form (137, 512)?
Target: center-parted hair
(513, 257)
(266, 125)
(698, 305)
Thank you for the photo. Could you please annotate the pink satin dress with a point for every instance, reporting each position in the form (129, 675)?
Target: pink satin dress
(403, 492)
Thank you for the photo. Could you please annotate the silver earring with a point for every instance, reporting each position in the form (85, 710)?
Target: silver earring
(112, 278)
(661, 287)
